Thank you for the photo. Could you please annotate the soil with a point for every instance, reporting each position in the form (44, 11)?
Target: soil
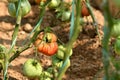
(86, 61)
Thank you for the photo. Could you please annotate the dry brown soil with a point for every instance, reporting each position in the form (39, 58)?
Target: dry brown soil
(86, 59)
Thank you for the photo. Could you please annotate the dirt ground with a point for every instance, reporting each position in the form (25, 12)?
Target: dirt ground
(86, 60)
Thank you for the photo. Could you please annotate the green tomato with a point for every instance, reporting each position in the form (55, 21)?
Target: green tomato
(53, 4)
(116, 64)
(117, 2)
(56, 61)
(12, 9)
(58, 64)
(45, 76)
(12, 1)
(116, 28)
(66, 16)
(3, 50)
(24, 8)
(32, 68)
(61, 52)
(117, 46)
(2, 55)
(47, 79)
(50, 70)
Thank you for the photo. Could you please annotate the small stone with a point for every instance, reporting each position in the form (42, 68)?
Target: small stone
(6, 26)
(27, 28)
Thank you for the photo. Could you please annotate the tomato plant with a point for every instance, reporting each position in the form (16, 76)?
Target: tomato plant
(47, 42)
(116, 29)
(117, 45)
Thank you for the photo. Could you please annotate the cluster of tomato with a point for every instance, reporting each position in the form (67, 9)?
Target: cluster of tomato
(116, 34)
(63, 9)
(46, 43)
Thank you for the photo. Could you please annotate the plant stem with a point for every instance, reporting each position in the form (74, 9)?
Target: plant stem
(64, 68)
(14, 38)
(20, 50)
(77, 29)
(72, 19)
(105, 42)
(93, 18)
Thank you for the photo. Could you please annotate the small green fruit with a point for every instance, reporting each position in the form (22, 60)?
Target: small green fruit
(12, 9)
(32, 68)
(50, 70)
(56, 62)
(117, 46)
(117, 2)
(45, 76)
(47, 79)
(12, 1)
(66, 16)
(61, 52)
(53, 4)
(24, 8)
(116, 28)
(3, 50)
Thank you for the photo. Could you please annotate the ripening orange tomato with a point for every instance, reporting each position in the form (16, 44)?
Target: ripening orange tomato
(47, 44)
(38, 1)
(84, 10)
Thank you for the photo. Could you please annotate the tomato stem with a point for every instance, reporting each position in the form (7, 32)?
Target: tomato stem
(14, 38)
(77, 28)
(105, 42)
(93, 18)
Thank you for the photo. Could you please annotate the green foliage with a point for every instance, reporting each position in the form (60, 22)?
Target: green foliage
(61, 61)
(117, 2)
(117, 45)
(116, 28)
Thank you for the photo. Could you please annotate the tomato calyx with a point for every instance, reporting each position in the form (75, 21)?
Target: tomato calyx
(34, 63)
(47, 38)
